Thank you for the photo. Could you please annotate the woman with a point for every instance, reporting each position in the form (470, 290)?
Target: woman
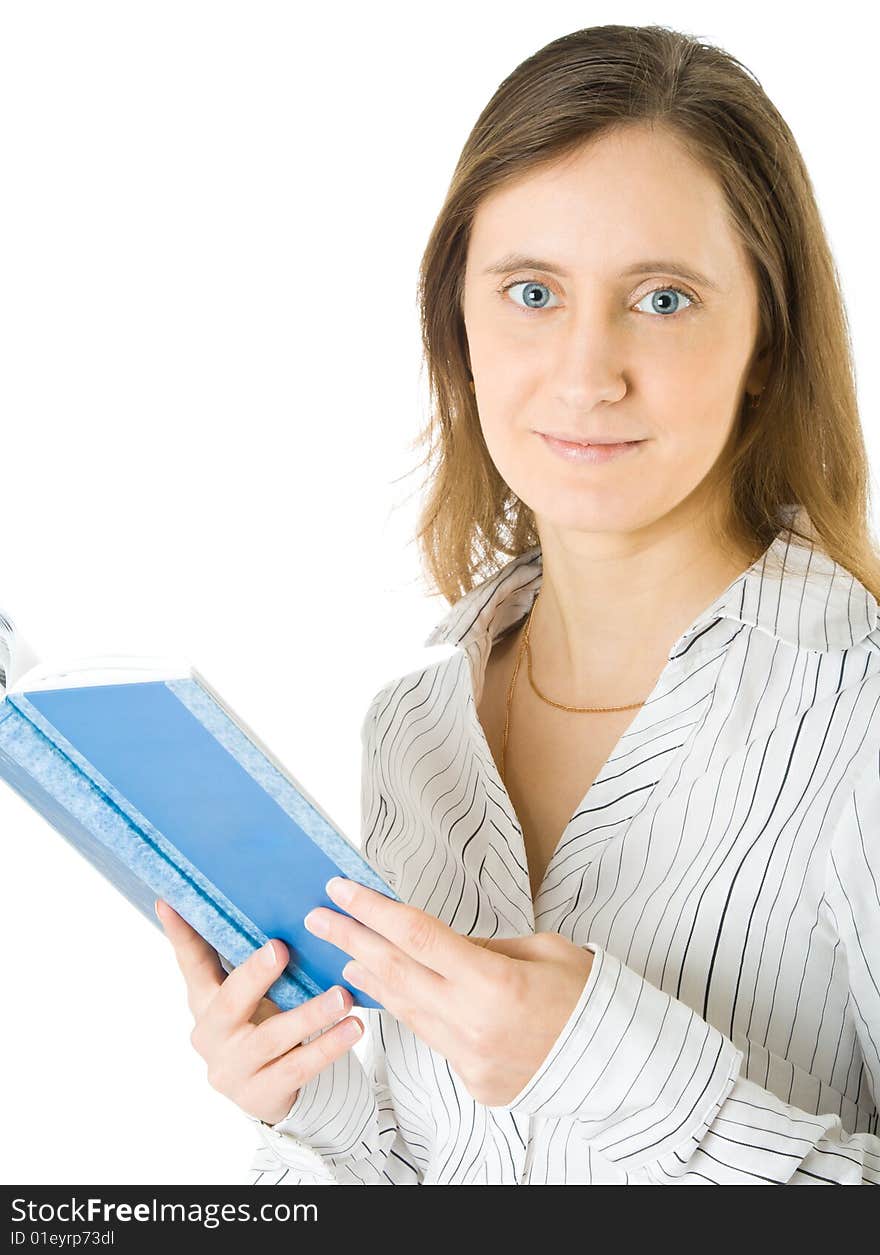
(632, 818)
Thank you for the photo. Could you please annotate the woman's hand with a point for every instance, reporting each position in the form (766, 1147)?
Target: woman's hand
(492, 1007)
(252, 1047)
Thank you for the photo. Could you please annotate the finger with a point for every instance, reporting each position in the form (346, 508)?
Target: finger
(407, 978)
(422, 1020)
(276, 1036)
(294, 1069)
(421, 936)
(197, 960)
(265, 1008)
(236, 1002)
(531, 947)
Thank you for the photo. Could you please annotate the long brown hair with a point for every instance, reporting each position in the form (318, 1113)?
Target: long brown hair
(799, 459)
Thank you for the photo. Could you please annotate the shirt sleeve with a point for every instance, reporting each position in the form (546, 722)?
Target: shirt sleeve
(657, 1090)
(343, 1128)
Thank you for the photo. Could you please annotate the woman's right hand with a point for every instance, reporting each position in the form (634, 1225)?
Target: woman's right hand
(252, 1048)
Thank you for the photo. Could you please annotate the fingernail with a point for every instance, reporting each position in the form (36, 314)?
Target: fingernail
(340, 890)
(337, 1000)
(156, 909)
(351, 1029)
(269, 956)
(353, 974)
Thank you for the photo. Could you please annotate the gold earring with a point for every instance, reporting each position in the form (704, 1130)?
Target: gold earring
(472, 387)
(753, 400)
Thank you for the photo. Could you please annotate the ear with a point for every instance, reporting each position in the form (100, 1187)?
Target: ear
(759, 372)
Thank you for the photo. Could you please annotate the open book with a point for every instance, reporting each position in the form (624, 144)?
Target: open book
(145, 770)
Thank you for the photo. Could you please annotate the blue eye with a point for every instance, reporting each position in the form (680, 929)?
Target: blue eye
(533, 288)
(662, 304)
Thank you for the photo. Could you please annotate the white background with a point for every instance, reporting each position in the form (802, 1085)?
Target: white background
(211, 223)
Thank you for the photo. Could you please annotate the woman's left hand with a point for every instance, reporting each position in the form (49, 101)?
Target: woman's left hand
(493, 1007)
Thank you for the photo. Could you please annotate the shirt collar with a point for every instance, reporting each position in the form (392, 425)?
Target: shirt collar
(793, 591)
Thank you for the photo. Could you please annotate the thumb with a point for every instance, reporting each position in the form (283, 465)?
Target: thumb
(527, 947)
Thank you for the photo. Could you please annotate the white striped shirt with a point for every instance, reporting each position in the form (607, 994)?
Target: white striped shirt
(724, 870)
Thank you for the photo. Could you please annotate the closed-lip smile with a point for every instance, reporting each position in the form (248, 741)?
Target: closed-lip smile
(595, 451)
(571, 438)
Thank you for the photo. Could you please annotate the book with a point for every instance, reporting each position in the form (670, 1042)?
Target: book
(146, 771)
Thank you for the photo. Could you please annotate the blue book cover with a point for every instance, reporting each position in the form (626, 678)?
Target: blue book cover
(150, 775)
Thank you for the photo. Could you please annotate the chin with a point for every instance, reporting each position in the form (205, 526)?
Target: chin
(579, 514)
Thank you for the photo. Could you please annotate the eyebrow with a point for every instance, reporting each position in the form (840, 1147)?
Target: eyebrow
(518, 261)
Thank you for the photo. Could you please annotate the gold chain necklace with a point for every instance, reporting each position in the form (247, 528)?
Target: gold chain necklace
(525, 647)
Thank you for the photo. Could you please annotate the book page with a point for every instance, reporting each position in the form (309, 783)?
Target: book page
(67, 673)
(21, 670)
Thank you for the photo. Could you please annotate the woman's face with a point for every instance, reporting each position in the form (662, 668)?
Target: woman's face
(593, 340)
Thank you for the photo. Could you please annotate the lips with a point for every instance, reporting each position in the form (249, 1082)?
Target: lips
(595, 454)
(570, 438)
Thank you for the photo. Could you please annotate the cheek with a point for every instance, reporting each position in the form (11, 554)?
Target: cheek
(510, 442)
(692, 435)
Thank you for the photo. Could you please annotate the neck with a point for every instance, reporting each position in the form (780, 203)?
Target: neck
(612, 605)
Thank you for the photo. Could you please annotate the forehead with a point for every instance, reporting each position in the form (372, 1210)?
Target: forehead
(635, 192)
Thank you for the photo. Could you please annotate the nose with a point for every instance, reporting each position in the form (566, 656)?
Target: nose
(589, 361)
